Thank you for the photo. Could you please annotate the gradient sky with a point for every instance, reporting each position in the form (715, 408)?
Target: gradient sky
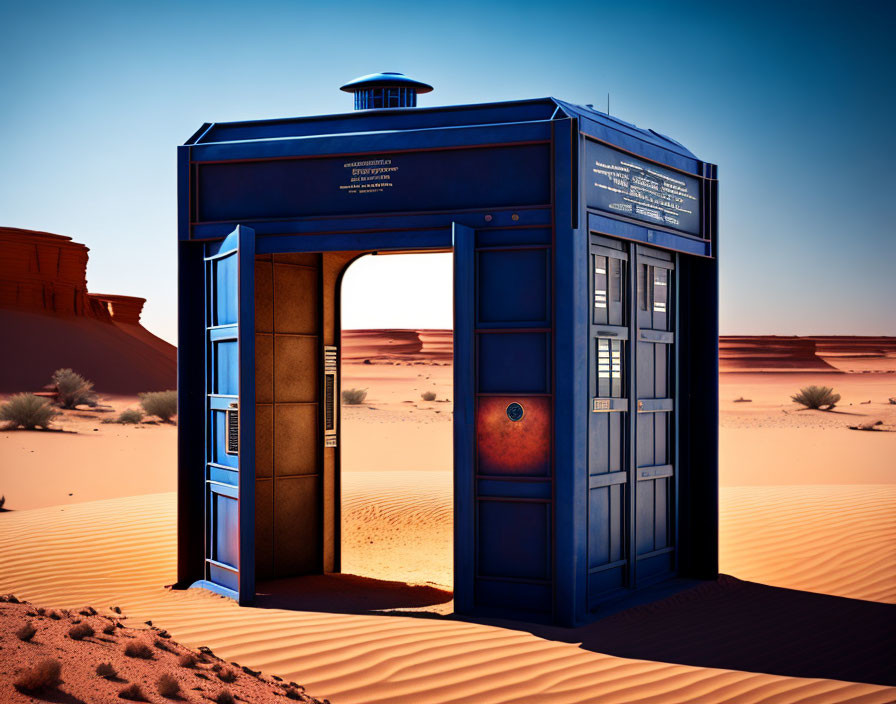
(794, 101)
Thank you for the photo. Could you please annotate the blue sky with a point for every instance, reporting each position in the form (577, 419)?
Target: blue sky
(794, 101)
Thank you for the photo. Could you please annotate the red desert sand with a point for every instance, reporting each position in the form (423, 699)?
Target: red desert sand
(98, 659)
(806, 504)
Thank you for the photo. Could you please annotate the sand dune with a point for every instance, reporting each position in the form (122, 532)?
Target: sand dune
(121, 551)
(829, 539)
(809, 532)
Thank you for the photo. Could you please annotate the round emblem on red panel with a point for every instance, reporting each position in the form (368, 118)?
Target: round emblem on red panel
(515, 412)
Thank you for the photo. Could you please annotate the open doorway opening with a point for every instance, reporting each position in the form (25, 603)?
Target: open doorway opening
(396, 443)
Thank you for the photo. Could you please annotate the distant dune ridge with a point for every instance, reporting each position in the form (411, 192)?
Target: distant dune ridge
(832, 354)
(397, 345)
(50, 320)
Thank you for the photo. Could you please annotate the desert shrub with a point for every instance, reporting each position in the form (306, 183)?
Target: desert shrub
(225, 697)
(160, 403)
(817, 397)
(168, 686)
(109, 629)
(428, 395)
(105, 670)
(2, 502)
(353, 397)
(130, 416)
(133, 693)
(28, 411)
(72, 389)
(55, 615)
(80, 631)
(293, 694)
(187, 660)
(26, 632)
(227, 675)
(42, 675)
(138, 649)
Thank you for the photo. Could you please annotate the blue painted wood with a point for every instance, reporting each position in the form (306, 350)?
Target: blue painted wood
(229, 494)
(246, 362)
(601, 224)
(506, 487)
(571, 401)
(464, 418)
(183, 193)
(416, 240)
(414, 119)
(361, 226)
(522, 280)
(190, 412)
(373, 143)
(216, 588)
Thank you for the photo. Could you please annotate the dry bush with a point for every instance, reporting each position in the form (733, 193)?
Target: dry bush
(168, 686)
(109, 629)
(72, 389)
(187, 660)
(138, 649)
(160, 403)
(428, 395)
(225, 697)
(105, 670)
(88, 611)
(28, 411)
(55, 615)
(133, 693)
(227, 675)
(130, 416)
(293, 694)
(353, 397)
(43, 675)
(820, 397)
(26, 632)
(80, 631)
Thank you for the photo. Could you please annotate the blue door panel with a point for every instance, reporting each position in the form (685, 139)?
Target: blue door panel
(513, 286)
(224, 526)
(226, 293)
(516, 597)
(514, 539)
(229, 579)
(598, 526)
(229, 470)
(516, 362)
(225, 355)
(223, 476)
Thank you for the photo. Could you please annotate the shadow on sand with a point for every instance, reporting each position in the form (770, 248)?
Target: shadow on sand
(737, 625)
(726, 623)
(351, 594)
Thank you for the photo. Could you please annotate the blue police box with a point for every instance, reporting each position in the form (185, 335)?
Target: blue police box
(585, 342)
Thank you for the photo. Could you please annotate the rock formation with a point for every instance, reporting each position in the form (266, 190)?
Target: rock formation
(50, 320)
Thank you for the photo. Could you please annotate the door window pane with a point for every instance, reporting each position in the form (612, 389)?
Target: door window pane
(609, 368)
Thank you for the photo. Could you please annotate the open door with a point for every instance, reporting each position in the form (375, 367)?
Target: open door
(230, 416)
